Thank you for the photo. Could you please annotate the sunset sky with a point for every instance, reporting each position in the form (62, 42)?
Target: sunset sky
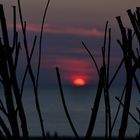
(69, 22)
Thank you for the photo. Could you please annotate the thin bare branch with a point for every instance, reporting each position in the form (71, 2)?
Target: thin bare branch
(137, 82)
(64, 104)
(115, 74)
(39, 63)
(96, 105)
(27, 67)
(17, 55)
(129, 112)
(134, 24)
(92, 57)
(5, 129)
(14, 28)
(108, 62)
(40, 42)
(2, 108)
(106, 27)
(118, 109)
(31, 72)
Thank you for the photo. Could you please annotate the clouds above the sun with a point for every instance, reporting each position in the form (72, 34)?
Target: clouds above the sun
(73, 67)
(76, 31)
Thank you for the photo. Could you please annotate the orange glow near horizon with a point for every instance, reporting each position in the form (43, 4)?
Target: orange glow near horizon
(79, 82)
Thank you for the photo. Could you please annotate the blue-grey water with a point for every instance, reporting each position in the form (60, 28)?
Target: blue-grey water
(79, 102)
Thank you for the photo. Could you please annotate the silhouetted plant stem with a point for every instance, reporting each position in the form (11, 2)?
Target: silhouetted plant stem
(16, 91)
(115, 74)
(106, 82)
(108, 58)
(14, 27)
(40, 42)
(5, 129)
(96, 104)
(8, 97)
(35, 82)
(134, 23)
(105, 94)
(16, 44)
(137, 82)
(104, 85)
(93, 59)
(64, 104)
(8, 78)
(27, 67)
(39, 62)
(124, 121)
(16, 55)
(118, 109)
(3, 109)
(128, 112)
(106, 27)
(139, 119)
(127, 49)
(136, 65)
(18, 100)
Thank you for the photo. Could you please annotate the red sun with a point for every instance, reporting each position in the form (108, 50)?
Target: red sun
(79, 82)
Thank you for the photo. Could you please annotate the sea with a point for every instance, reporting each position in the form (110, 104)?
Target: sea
(79, 101)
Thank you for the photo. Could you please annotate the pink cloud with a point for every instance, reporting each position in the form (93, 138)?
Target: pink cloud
(64, 30)
(71, 68)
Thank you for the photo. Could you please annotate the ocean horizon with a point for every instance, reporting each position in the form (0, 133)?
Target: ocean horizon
(79, 101)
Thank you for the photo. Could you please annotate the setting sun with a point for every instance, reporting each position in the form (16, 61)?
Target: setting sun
(79, 82)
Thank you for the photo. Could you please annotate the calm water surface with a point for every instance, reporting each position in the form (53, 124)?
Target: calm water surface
(79, 102)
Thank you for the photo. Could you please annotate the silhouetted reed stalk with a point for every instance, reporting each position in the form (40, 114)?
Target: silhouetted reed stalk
(23, 25)
(139, 119)
(5, 129)
(129, 113)
(92, 58)
(34, 81)
(103, 84)
(130, 69)
(135, 21)
(64, 104)
(96, 105)
(113, 77)
(26, 70)
(10, 83)
(106, 82)
(98, 95)
(9, 56)
(38, 70)
(126, 47)
(116, 72)
(118, 109)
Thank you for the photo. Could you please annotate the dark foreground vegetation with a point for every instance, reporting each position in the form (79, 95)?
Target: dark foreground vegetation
(13, 108)
(73, 138)
(82, 138)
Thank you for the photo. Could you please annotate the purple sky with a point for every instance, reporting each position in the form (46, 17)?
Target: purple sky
(68, 23)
